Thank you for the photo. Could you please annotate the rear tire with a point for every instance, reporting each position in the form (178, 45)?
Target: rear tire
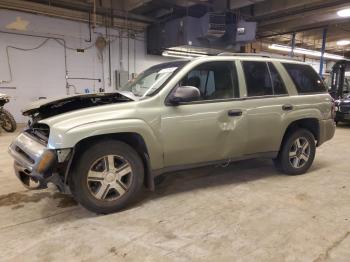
(297, 153)
(107, 177)
(8, 122)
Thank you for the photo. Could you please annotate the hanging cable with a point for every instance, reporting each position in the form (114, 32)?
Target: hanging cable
(21, 49)
(75, 49)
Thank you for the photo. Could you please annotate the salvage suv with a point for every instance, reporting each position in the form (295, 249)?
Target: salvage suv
(187, 113)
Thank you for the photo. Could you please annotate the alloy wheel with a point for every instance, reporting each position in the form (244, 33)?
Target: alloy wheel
(299, 152)
(109, 177)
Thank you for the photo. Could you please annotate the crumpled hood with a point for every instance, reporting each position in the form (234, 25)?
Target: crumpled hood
(51, 107)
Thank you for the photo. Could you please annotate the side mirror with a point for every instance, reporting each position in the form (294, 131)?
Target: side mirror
(184, 94)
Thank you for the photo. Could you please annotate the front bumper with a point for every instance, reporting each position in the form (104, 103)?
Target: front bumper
(34, 162)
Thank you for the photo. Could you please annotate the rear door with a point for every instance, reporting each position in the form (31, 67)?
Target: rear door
(209, 129)
(267, 104)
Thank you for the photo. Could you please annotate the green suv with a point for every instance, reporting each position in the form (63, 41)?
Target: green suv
(187, 113)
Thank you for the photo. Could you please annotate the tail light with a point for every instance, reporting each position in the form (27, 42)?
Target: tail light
(334, 109)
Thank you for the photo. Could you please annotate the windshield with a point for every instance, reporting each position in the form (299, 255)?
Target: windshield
(152, 79)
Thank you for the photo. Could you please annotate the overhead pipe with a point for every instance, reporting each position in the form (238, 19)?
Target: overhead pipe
(290, 32)
(109, 50)
(74, 14)
(293, 45)
(85, 78)
(128, 34)
(324, 40)
(134, 55)
(128, 54)
(89, 41)
(109, 45)
(80, 6)
(297, 11)
(121, 50)
(94, 15)
(63, 43)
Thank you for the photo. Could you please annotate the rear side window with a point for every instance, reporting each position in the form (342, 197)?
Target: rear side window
(305, 79)
(278, 85)
(257, 78)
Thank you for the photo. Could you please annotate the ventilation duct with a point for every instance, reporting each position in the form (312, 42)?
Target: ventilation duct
(213, 25)
(235, 4)
(212, 30)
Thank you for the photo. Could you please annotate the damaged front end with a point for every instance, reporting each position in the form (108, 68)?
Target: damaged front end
(35, 164)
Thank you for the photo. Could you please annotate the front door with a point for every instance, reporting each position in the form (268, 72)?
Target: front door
(209, 129)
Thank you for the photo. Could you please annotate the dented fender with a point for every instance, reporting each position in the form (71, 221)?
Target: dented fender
(70, 137)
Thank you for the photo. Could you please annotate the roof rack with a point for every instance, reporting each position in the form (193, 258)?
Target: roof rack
(257, 55)
(241, 54)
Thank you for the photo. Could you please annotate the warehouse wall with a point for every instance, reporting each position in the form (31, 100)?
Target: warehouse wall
(41, 72)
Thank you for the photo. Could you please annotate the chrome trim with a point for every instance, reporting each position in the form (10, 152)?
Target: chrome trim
(30, 147)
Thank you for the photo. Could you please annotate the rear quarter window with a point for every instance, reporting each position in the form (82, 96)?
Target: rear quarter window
(305, 79)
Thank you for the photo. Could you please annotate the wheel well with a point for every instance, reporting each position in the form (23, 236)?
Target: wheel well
(134, 140)
(310, 124)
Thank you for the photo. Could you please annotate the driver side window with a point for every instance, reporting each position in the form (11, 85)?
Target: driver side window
(215, 80)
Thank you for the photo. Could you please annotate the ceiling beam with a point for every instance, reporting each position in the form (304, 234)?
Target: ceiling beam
(116, 8)
(64, 13)
(275, 9)
(318, 16)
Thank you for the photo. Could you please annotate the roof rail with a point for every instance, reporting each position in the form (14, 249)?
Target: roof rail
(257, 55)
(242, 54)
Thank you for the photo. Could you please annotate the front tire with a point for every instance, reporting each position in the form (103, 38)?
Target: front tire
(107, 177)
(297, 153)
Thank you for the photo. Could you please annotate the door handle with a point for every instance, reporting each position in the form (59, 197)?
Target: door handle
(287, 107)
(234, 112)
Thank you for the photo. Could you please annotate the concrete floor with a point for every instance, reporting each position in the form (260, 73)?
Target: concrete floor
(245, 212)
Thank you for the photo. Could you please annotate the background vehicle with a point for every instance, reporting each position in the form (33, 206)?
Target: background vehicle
(7, 121)
(339, 84)
(174, 116)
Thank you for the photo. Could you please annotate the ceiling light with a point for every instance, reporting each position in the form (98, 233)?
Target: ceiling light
(343, 42)
(344, 12)
(180, 54)
(305, 52)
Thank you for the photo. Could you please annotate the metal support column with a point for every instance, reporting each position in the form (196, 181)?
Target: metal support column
(324, 40)
(293, 45)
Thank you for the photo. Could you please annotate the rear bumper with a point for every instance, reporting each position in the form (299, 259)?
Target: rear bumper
(31, 163)
(327, 130)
